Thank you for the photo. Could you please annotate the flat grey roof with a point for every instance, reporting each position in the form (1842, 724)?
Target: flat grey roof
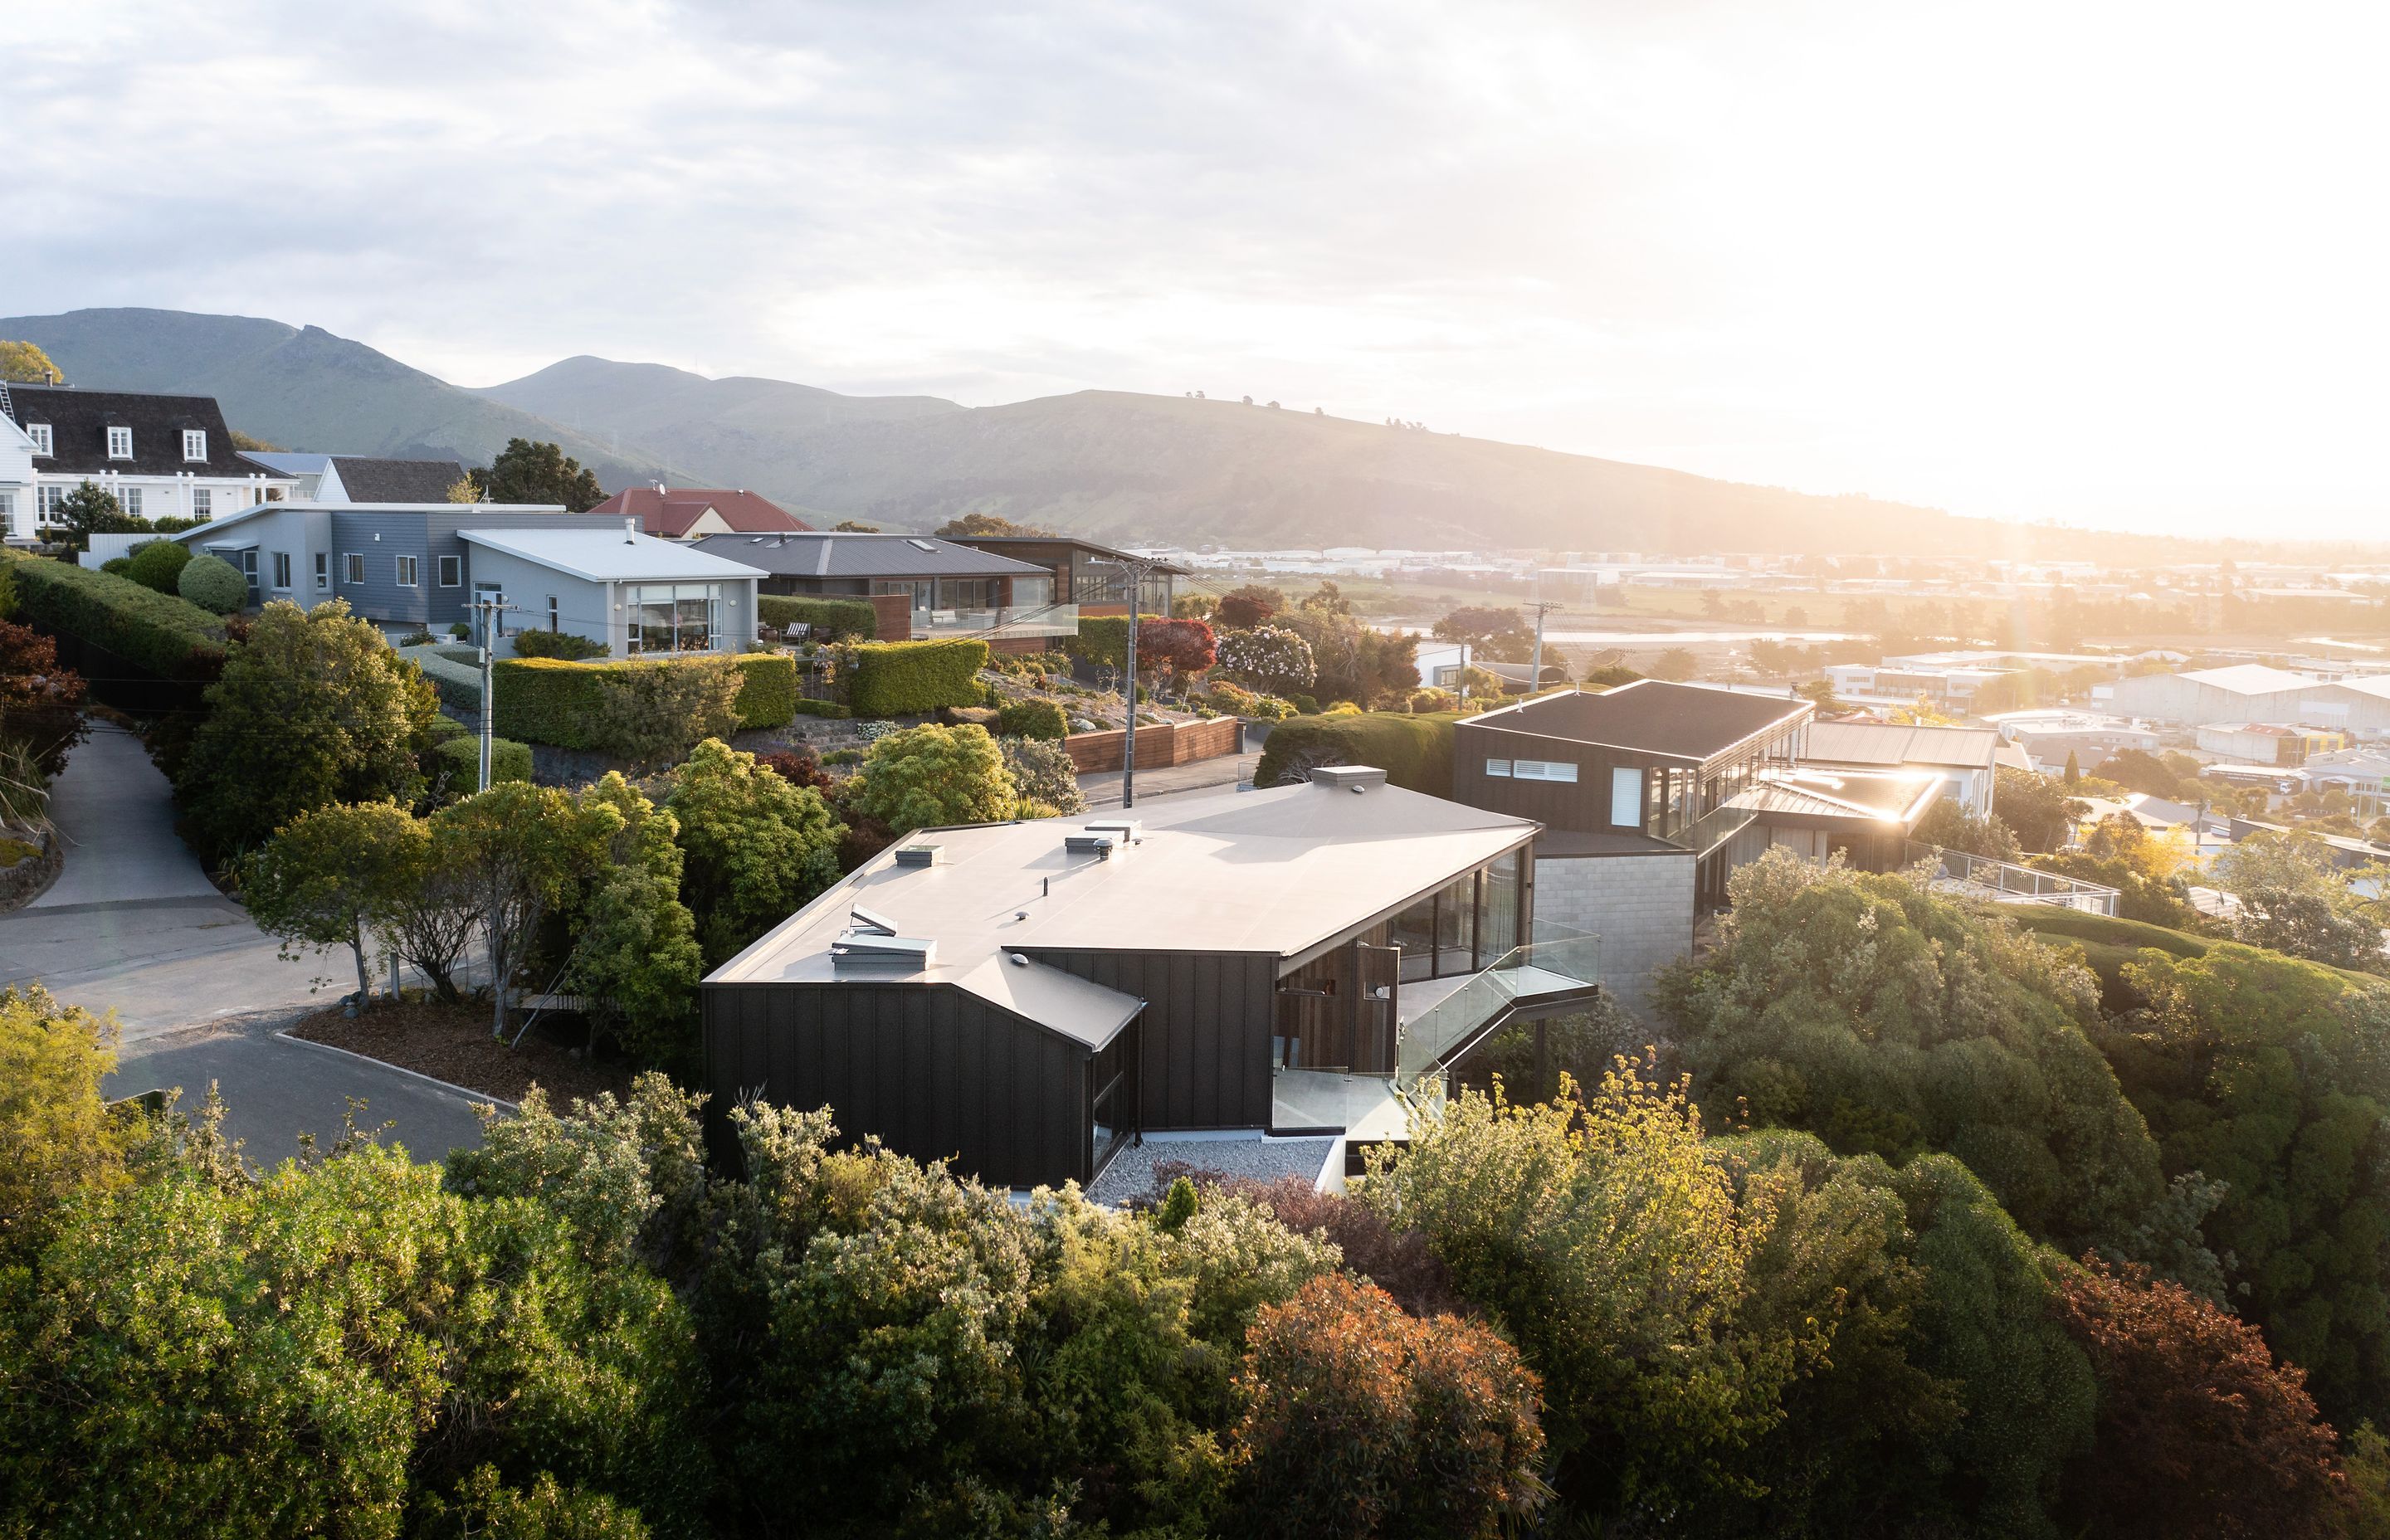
(828, 554)
(605, 555)
(1275, 871)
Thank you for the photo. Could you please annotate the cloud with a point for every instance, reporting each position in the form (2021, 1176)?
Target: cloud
(2085, 262)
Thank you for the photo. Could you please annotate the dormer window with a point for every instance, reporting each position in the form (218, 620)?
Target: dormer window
(195, 443)
(40, 434)
(119, 444)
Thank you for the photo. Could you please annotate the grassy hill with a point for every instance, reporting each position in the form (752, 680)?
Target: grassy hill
(1103, 463)
(301, 388)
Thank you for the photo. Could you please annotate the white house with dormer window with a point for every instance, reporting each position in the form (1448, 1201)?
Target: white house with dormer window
(159, 456)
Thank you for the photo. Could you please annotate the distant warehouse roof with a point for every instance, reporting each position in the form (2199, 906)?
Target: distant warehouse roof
(812, 554)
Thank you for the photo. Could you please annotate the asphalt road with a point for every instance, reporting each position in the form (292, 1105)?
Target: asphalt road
(134, 925)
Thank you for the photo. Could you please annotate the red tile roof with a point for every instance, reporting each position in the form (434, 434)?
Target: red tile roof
(670, 511)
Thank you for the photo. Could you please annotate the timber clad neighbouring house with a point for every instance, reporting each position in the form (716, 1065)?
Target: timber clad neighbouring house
(1027, 998)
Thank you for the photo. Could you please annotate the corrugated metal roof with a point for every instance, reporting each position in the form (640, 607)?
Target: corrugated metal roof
(2250, 679)
(1273, 872)
(834, 555)
(1892, 743)
(609, 554)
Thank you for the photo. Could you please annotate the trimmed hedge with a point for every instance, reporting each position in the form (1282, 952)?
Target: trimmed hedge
(1035, 718)
(460, 758)
(549, 700)
(460, 685)
(572, 649)
(821, 708)
(213, 584)
(168, 635)
(158, 564)
(1103, 639)
(911, 678)
(1413, 752)
(832, 619)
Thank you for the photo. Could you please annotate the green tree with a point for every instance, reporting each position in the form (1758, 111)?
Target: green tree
(1360, 1421)
(462, 490)
(159, 564)
(1887, 1020)
(2295, 899)
(1677, 663)
(1270, 657)
(635, 944)
(1042, 774)
(213, 584)
(1498, 634)
(757, 848)
(529, 850)
(313, 709)
(1608, 1241)
(930, 776)
(26, 364)
(854, 526)
(56, 1137)
(2270, 1076)
(2074, 768)
(985, 524)
(330, 877)
(88, 510)
(1951, 825)
(2036, 807)
(534, 471)
(305, 1354)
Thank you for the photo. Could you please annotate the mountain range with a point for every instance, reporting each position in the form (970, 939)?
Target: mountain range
(1106, 464)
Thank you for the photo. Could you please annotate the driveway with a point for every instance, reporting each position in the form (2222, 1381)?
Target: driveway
(133, 925)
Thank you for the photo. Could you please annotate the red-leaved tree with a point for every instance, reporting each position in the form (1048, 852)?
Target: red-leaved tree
(1183, 649)
(2199, 1431)
(1362, 1421)
(1248, 607)
(40, 702)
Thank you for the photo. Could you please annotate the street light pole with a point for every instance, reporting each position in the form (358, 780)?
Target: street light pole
(1535, 680)
(489, 609)
(1136, 571)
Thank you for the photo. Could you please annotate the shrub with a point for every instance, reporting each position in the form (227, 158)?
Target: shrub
(168, 635)
(1271, 656)
(120, 566)
(213, 584)
(1360, 1421)
(459, 630)
(458, 684)
(911, 678)
(1415, 751)
(572, 649)
(1036, 717)
(797, 769)
(802, 707)
(926, 777)
(1102, 639)
(159, 564)
(457, 763)
(757, 846)
(832, 620)
(549, 701)
(1042, 772)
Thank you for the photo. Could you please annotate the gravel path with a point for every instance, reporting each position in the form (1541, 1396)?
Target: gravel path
(1131, 1174)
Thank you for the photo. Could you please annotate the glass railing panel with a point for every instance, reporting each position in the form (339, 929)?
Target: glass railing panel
(2006, 882)
(1042, 620)
(1556, 960)
(1712, 828)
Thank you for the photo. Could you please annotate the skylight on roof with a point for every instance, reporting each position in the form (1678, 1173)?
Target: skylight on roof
(921, 545)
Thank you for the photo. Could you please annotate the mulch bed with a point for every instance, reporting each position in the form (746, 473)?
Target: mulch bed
(452, 1043)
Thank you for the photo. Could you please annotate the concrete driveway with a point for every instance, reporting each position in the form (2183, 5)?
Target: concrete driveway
(133, 925)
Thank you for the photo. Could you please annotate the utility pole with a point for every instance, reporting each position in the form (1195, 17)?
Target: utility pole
(488, 609)
(1135, 570)
(1535, 680)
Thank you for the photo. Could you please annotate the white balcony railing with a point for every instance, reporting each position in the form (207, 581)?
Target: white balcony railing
(1958, 873)
(1038, 620)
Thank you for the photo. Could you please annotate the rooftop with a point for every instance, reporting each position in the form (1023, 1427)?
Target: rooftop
(1875, 797)
(1891, 744)
(669, 511)
(2249, 679)
(819, 554)
(1275, 871)
(79, 421)
(374, 479)
(1651, 716)
(608, 555)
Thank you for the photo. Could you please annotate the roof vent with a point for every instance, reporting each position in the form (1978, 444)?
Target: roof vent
(1124, 830)
(630, 528)
(870, 921)
(1356, 777)
(865, 949)
(921, 856)
(1100, 846)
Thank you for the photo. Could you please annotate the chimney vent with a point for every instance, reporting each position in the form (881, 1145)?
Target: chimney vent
(630, 528)
(1357, 776)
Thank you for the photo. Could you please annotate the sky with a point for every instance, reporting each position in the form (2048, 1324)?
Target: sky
(2107, 264)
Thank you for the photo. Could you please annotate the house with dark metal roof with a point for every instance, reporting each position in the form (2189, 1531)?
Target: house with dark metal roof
(920, 585)
(160, 456)
(1027, 998)
(361, 478)
(692, 513)
(1086, 574)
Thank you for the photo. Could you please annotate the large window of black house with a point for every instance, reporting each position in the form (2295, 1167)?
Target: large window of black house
(1110, 1095)
(1462, 927)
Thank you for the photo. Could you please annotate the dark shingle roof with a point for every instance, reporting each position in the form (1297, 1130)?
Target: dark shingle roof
(814, 555)
(80, 419)
(1651, 716)
(373, 480)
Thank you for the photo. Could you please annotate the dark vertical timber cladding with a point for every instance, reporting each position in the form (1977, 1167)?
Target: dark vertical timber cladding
(934, 1072)
(1204, 1059)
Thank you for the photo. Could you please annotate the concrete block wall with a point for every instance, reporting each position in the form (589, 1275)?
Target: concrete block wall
(1641, 906)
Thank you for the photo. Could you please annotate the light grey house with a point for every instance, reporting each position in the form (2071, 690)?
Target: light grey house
(421, 565)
